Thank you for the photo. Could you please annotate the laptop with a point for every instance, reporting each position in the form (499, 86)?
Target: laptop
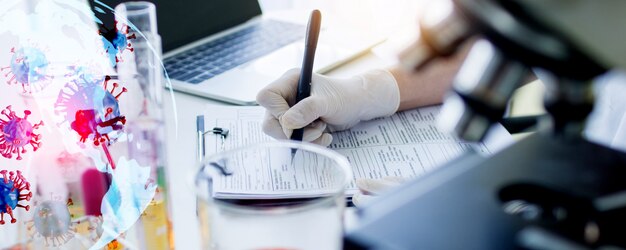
(228, 51)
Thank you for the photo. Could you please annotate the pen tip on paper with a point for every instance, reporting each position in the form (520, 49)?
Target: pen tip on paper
(293, 154)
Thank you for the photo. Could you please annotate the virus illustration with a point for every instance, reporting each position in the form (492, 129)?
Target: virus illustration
(16, 133)
(52, 221)
(13, 189)
(28, 67)
(116, 41)
(92, 111)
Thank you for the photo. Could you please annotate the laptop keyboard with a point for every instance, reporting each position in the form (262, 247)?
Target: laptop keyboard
(215, 57)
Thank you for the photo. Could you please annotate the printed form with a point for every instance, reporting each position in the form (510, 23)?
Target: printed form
(406, 144)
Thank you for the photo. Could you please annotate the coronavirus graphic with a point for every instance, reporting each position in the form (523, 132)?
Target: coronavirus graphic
(116, 41)
(52, 221)
(13, 189)
(92, 110)
(17, 132)
(28, 67)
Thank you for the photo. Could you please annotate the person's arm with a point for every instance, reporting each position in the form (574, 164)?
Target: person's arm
(337, 104)
(429, 85)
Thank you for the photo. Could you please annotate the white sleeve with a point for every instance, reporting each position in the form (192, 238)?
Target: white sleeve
(607, 123)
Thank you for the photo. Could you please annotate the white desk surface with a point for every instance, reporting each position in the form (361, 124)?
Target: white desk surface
(181, 151)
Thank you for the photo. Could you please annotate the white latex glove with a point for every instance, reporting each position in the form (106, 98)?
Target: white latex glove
(370, 188)
(334, 104)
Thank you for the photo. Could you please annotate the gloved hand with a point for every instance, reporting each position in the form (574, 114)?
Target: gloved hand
(370, 188)
(334, 104)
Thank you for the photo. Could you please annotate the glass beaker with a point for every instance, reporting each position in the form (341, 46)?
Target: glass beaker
(275, 195)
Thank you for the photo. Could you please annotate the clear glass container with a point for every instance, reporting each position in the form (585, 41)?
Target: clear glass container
(276, 195)
(143, 70)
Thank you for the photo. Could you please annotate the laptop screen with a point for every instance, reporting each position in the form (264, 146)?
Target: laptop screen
(183, 21)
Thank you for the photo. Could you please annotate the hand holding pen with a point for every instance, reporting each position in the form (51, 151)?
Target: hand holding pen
(333, 104)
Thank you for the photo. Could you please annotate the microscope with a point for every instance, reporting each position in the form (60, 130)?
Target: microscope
(552, 190)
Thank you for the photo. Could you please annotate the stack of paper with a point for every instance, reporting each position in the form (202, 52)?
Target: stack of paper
(407, 144)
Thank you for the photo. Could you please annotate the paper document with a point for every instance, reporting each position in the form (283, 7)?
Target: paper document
(407, 144)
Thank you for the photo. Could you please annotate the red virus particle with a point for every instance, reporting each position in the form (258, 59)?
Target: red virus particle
(92, 110)
(17, 132)
(13, 189)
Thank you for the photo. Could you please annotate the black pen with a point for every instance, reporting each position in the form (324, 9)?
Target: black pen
(304, 83)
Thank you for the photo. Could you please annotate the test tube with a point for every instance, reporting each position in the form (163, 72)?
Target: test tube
(143, 67)
(141, 19)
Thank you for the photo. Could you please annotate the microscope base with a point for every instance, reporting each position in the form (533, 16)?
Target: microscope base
(541, 193)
